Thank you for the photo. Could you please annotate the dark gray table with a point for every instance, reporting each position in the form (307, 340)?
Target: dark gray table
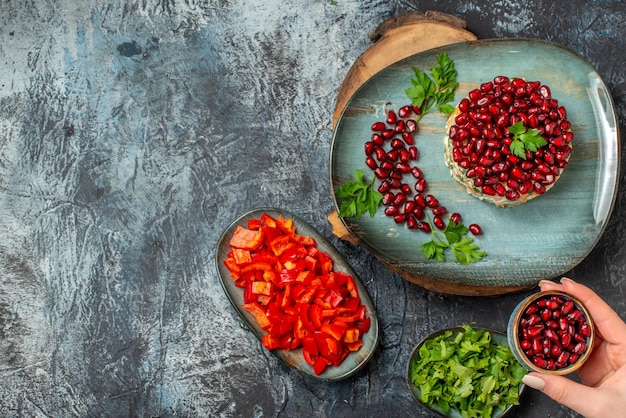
(133, 132)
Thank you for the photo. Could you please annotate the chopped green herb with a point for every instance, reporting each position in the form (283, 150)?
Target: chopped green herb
(525, 139)
(454, 237)
(466, 370)
(434, 90)
(359, 197)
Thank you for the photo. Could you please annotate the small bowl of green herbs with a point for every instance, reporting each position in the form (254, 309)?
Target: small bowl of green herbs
(465, 372)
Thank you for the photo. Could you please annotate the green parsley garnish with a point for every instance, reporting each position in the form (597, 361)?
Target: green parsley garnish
(434, 90)
(359, 197)
(525, 139)
(466, 370)
(454, 238)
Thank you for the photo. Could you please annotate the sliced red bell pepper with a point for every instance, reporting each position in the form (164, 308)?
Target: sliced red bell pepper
(351, 335)
(304, 240)
(246, 239)
(259, 314)
(335, 330)
(355, 346)
(268, 220)
(320, 365)
(241, 256)
(254, 224)
(262, 288)
(286, 225)
(281, 243)
(315, 315)
(326, 262)
(292, 290)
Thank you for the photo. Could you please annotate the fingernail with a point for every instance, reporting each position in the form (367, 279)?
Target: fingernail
(543, 281)
(534, 382)
(566, 280)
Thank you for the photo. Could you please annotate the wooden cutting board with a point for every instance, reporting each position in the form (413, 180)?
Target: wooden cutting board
(394, 40)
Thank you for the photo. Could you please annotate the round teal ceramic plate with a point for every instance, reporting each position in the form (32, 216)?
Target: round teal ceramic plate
(542, 238)
(355, 360)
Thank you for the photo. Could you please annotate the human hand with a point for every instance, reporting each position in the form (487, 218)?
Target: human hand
(602, 391)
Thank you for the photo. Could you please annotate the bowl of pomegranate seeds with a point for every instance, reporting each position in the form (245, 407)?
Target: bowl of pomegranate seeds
(508, 141)
(551, 332)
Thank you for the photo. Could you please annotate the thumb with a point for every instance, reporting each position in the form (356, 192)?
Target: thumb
(565, 391)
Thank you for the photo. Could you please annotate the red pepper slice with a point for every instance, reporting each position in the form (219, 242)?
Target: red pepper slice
(246, 239)
(258, 313)
(320, 365)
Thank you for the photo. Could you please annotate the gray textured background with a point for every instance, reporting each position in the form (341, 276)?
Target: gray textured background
(133, 132)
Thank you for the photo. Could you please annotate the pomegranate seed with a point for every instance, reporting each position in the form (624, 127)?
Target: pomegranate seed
(378, 126)
(417, 173)
(406, 189)
(399, 199)
(409, 206)
(423, 226)
(381, 173)
(431, 201)
(371, 163)
(411, 126)
(475, 229)
(438, 222)
(392, 155)
(512, 194)
(488, 190)
(408, 138)
(420, 201)
(419, 213)
(405, 111)
(420, 185)
(440, 210)
(391, 117)
(391, 211)
(456, 218)
(396, 143)
(411, 222)
(400, 218)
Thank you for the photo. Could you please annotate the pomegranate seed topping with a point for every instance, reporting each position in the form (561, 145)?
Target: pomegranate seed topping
(479, 137)
(456, 218)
